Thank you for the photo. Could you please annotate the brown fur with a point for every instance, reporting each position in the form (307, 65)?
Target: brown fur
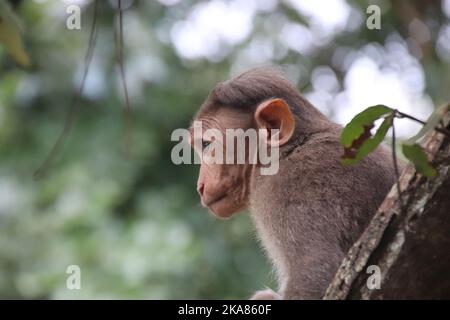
(311, 212)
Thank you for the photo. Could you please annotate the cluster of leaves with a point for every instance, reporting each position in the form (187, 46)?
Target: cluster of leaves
(359, 141)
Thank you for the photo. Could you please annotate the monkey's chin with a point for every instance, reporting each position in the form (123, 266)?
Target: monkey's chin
(222, 210)
(221, 214)
(222, 207)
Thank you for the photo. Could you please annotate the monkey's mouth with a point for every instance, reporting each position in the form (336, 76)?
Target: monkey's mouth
(215, 200)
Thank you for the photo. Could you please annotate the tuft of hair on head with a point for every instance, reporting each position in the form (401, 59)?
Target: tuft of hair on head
(252, 87)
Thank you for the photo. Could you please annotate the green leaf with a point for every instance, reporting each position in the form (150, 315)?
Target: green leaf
(357, 138)
(431, 123)
(370, 144)
(416, 155)
(357, 127)
(11, 35)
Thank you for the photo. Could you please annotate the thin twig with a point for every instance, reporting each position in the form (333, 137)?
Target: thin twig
(120, 62)
(404, 115)
(396, 170)
(74, 106)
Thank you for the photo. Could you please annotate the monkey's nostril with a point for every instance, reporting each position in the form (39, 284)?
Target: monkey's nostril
(200, 189)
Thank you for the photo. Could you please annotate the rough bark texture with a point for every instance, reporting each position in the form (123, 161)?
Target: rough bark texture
(411, 246)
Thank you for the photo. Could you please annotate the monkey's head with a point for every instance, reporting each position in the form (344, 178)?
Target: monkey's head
(261, 100)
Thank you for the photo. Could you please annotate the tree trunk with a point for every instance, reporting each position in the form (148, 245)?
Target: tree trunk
(411, 245)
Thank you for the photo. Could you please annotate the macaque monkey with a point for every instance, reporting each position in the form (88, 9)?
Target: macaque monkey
(313, 209)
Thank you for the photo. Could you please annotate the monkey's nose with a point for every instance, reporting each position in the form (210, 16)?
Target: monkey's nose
(200, 189)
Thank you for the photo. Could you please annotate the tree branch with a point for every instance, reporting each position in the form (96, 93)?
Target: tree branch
(410, 248)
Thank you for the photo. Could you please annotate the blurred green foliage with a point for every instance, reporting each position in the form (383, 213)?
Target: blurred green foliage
(134, 225)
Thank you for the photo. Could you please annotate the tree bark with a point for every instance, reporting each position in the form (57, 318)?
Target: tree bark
(411, 244)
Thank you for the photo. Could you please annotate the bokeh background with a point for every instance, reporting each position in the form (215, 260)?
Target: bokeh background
(134, 224)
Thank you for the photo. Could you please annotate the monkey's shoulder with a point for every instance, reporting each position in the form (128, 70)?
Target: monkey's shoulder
(314, 171)
(321, 155)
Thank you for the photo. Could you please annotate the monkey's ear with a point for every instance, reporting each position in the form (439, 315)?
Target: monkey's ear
(276, 114)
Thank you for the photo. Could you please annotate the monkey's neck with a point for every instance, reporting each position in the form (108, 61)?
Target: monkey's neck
(294, 145)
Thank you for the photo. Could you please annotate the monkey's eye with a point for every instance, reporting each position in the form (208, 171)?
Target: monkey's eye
(205, 144)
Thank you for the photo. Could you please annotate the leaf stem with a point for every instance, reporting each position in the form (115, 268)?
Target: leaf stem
(396, 169)
(404, 115)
